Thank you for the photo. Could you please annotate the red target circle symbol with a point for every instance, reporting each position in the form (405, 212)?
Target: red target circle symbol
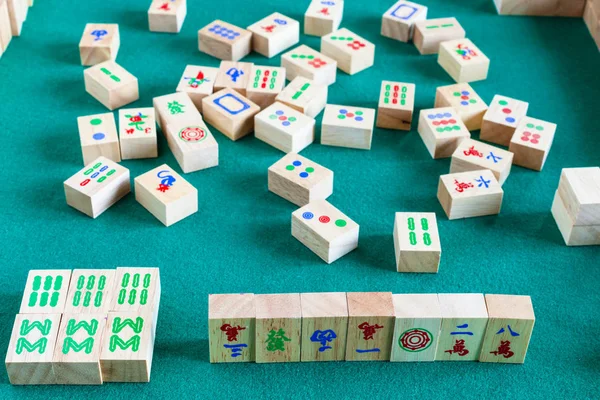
(192, 134)
(324, 219)
(415, 340)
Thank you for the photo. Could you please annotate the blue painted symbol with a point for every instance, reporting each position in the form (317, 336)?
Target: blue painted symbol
(296, 163)
(98, 136)
(166, 178)
(465, 93)
(328, 3)
(512, 333)
(241, 106)
(431, 116)
(323, 337)
(224, 32)
(303, 174)
(234, 73)
(236, 349)
(510, 119)
(99, 34)
(494, 158)
(404, 11)
(280, 21)
(104, 168)
(368, 351)
(343, 111)
(308, 215)
(464, 103)
(95, 174)
(359, 118)
(482, 182)
(463, 326)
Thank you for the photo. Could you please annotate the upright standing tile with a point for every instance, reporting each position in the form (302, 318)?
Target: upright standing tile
(273, 34)
(370, 326)
(579, 188)
(224, 41)
(396, 105)
(193, 145)
(324, 326)
(173, 108)
(137, 133)
(29, 355)
(111, 84)
(99, 43)
(45, 291)
(76, 358)
(17, 12)
(167, 15)
(278, 327)
(352, 52)
(417, 242)
(198, 82)
(442, 131)
(97, 187)
(128, 347)
(323, 17)
(573, 235)
(136, 290)
(346, 126)
(531, 143)
(284, 128)
(501, 119)
(509, 329)
(471, 155)
(309, 63)
(570, 8)
(166, 195)
(5, 28)
(467, 103)
(233, 75)
(90, 291)
(300, 180)
(398, 22)
(264, 84)
(430, 33)
(325, 230)
(304, 95)
(463, 61)
(470, 194)
(98, 137)
(231, 327)
(464, 319)
(230, 112)
(417, 328)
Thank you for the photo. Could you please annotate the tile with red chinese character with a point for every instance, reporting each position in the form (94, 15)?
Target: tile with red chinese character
(470, 194)
(323, 17)
(352, 52)
(471, 155)
(198, 82)
(97, 186)
(284, 128)
(231, 327)
(309, 63)
(167, 15)
(137, 133)
(166, 195)
(511, 320)
(273, 34)
(531, 143)
(464, 320)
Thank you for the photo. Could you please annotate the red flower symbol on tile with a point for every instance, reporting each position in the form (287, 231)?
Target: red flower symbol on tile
(317, 63)
(356, 45)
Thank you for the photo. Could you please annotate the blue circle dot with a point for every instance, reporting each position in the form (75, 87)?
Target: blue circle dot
(230, 37)
(510, 119)
(236, 34)
(308, 215)
(303, 174)
(98, 136)
(216, 26)
(447, 115)
(431, 116)
(296, 163)
(359, 118)
(343, 111)
(440, 115)
(465, 93)
(279, 112)
(464, 103)
(285, 123)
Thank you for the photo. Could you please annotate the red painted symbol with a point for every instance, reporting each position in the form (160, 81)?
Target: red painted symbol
(369, 330)
(324, 11)
(129, 131)
(472, 152)
(529, 137)
(459, 348)
(324, 219)
(165, 7)
(232, 332)
(269, 29)
(84, 182)
(356, 45)
(162, 188)
(395, 95)
(444, 122)
(462, 186)
(148, 130)
(503, 350)
(317, 63)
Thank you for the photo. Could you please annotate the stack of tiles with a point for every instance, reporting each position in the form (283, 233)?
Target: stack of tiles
(369, 326)
(576, 206)
(188, 137)
(85, 327)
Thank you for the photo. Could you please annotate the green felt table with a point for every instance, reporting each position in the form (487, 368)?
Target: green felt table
(240, 241)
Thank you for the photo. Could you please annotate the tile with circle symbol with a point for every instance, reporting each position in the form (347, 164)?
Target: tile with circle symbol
(325, 219)
(444, 121)
(351, 114)
(465, 98)
(507, 111)
(224, 32)
(279, 115)
(534, 133)
(302, 170)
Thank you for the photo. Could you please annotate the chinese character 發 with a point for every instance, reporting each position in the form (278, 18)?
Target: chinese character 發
(494, 157)
(472, 152)
(136, 120)
(236, 349)
(462, 186)
(232, 331)
(323, 337)
(276, 340)
(369, 330)
(234, 73)
(458, 348)
(175, 108)
(503, 350)
(482, 182)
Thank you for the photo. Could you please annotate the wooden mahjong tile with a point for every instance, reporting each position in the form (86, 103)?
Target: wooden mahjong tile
(473, 155)
(463, 61)
(309, 63)
(304, 95)
(99, 43)
(111, 84)
(430, 33)
(346, 126)
(193, 145)
(501, 119)
(417, 242)
(233, 75)
(467, 103)
(264, 84)
(45, 291)
(98, 137)
(284, 128)
(398, 22)
(323, 17)
(273, 34)
(230, 112)
(167, 15)
(224, 41)
(90, 291)
(442, 131)
(531, 143)
(396, 105)
(352, 52)
(137, 133)
(198, 82)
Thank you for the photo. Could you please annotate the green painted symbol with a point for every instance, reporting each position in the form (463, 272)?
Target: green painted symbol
(135, 283)
(120, 324)
(412, 235)
(414, 340)
(175, 107)
(96, 121)
(93, 288)
(303, 56)
(42, 293)
(88, 344)
(342, 38)
(341, 223)
(301, 91)
(110, 75)
(41, 344)
(503, 102)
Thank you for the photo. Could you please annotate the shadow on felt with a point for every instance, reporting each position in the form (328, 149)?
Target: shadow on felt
(376, 251)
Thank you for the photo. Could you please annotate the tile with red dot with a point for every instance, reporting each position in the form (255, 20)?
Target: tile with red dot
(508, 111)
(534, 133)
(348, 41)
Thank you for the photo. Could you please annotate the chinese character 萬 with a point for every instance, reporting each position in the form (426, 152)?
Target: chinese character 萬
(503, 350)
(232, 332)
(369, 330)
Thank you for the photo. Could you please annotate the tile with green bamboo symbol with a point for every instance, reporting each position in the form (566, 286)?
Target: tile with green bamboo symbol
(45, 291)
(90, 291)
(136, 290)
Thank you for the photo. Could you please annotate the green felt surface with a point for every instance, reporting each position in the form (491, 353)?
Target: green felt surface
(240, 240)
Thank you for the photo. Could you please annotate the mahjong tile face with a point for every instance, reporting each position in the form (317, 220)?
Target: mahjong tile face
(45, 291)
(274, 25)
(198, 79)
(397, 95)
(349, 116)
(301, 170)
(137, 122)
(97, 129)
(329, 10)
(323, 218)
(445, 123)
(95, 176)
(349, 42)
(225, 32)
(405, 11)
(265, 79)
(534, 133)
(464, 52)
(506, 111)
(472, 183)
(309, 59)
